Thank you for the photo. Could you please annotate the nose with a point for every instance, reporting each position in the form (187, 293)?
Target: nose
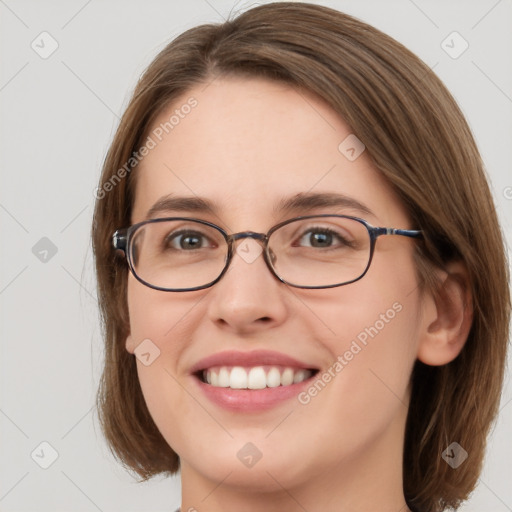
(248, 298)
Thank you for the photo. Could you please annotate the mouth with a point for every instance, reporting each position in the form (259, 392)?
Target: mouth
(252, 381)
(255, 377)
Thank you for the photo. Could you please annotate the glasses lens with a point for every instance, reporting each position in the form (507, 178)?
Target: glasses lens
(178, 254)
(320, 251)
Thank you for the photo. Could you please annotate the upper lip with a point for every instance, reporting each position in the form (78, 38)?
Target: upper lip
(248, 359)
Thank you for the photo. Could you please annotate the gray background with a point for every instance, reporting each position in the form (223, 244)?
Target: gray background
(58, 116)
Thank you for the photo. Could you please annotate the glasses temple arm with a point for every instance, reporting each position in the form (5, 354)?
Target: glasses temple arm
(411, 233)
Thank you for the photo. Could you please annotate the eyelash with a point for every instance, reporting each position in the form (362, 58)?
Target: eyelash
(169, 239)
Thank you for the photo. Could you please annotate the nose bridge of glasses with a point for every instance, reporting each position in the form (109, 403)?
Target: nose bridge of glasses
(260, 237)
(248, 254)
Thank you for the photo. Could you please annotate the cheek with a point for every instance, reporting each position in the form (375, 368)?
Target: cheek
(365, 390)
(159, 316)
(383, 305)
(160, 326)
(373, 344)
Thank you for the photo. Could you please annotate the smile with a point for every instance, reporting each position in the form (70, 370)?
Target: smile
(251, 381)
(257, 377)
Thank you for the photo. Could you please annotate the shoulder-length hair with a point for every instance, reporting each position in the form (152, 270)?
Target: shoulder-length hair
(417, 138)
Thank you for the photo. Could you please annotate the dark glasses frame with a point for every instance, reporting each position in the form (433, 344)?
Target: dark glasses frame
(122, 239)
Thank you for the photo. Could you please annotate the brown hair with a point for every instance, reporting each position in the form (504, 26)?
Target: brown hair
(419, 140)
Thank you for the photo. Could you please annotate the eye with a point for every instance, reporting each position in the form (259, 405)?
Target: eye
(322, 237)
(187, 240)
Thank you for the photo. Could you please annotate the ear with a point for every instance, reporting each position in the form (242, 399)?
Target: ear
(447, 317)
(130, 344)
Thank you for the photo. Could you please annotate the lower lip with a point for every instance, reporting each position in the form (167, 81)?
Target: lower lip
(250, 400)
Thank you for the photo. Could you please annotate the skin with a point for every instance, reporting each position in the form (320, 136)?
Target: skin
(246, 144)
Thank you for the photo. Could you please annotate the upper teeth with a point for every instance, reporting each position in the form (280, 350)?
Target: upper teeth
(258, 377)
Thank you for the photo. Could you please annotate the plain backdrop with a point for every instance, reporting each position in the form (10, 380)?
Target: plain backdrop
(58, 115)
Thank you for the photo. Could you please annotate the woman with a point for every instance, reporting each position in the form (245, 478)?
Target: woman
(301, 311)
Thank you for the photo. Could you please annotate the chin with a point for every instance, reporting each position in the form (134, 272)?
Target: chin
(253, 468)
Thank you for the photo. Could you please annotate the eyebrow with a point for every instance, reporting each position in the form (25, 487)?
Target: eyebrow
(303, 202)
(306, 201)
(181, 204)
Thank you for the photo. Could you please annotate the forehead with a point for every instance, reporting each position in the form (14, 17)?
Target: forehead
(246, 145)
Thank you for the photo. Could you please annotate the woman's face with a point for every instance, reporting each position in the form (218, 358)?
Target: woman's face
(245, 145)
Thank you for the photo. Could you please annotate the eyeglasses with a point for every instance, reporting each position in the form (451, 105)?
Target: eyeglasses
(316, 251)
